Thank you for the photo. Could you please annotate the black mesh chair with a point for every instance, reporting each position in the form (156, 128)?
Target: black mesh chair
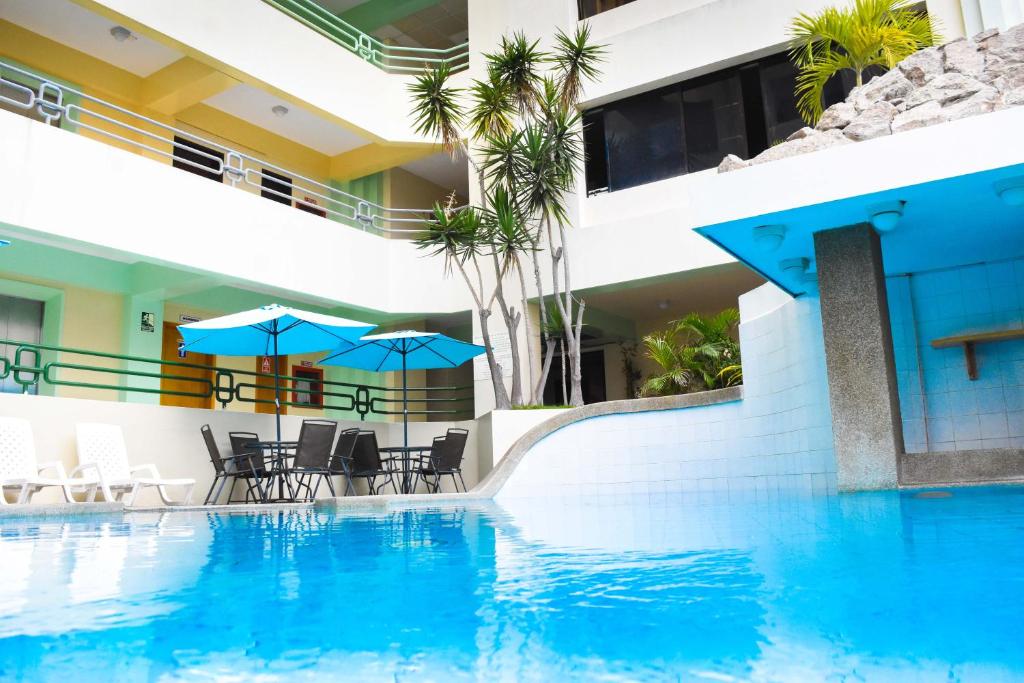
(312, 458)
(367, 464)
(341, 461)
(444, 460)
(241, 468)
(253, 466)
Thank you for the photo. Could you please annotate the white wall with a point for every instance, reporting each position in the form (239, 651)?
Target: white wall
(170, 438)
(500, 429)
(779, 436)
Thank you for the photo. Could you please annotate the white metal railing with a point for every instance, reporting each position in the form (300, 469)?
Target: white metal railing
(55, 102)
(390, 58)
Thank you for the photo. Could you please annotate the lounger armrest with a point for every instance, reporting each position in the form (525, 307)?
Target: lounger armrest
(55, 465)
(149, 467)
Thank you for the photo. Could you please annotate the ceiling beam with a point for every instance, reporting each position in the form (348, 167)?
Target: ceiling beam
(182, 84)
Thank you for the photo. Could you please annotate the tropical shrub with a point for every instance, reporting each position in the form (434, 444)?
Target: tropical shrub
(868, 33)
(695, 353)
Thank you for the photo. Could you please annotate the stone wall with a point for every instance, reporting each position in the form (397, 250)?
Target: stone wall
(963, 78)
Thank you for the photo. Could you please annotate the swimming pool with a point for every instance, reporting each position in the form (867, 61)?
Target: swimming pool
(861, 587)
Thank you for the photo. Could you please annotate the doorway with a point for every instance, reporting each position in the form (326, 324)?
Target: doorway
(21, 320)
(592, 375)
(265, 385)
(191, 379)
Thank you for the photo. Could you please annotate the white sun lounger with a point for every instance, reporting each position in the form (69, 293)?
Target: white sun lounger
(103, 445)
(20, 470)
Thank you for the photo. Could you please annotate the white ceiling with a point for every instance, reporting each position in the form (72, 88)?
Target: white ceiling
(441, 170)
(255, 105)
(65, 22)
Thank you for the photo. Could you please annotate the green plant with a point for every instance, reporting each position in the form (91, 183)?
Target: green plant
(868, 33)
(524, 143)
(630, 371)
(696, 353)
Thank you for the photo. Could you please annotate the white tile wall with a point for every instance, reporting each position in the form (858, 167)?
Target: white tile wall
(942, 409)
(778, 437)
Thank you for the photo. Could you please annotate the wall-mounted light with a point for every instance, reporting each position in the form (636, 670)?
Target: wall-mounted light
(885, 217)
(794, 267)
(279, 110)
(769, 237)
(664, 304)
(1011, 191)
(120, 33)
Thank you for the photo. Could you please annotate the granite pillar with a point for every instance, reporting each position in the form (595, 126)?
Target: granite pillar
(867, 426)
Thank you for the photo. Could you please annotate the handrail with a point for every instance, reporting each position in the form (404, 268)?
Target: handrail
(225, 387)
(53, 102)
(390, 58)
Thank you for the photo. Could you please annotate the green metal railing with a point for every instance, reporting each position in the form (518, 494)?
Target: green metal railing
(390, 58)
(28, 366)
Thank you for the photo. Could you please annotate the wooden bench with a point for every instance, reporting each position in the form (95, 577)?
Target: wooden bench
(968, 341)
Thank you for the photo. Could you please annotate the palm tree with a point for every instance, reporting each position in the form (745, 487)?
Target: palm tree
(696, 353)
(525, 146)
(869, 33)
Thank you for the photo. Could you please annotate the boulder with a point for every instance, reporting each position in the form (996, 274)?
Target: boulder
(813, 142)
(982, 102)
(1014, 98)
(731, 163)
(926, 115)
(1007, 46)
(837, 116)
(889, 86)
(873, 122)
(922, 66)
(964, 57)
(801, 134)
(948, 87)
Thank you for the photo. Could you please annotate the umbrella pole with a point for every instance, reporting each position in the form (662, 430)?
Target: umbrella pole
(405, 404)
(277, 388)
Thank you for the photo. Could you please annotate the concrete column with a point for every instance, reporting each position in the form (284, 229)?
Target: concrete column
(144, 343)
(866, 420)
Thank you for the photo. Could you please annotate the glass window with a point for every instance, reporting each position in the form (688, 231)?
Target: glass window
(589, 8)
(595, 150)
(781, 118)
(276, 187)
(644, 138)
(195, 158)
(713, 118)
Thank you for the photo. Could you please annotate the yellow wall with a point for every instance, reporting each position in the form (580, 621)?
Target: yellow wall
(93, 321)
(405, 190)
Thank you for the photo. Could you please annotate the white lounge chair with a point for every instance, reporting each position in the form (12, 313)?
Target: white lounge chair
(103, 445)
(20, 470)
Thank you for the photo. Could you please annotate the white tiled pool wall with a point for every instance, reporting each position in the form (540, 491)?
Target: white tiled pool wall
(779, 436)
(942, 409)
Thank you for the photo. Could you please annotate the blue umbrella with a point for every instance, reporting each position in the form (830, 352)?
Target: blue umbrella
(271, 331)
(404, 351)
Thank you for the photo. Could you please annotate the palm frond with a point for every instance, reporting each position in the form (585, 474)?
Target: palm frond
(515, 68)
(436, 111)
(492, 111)
(576, 61)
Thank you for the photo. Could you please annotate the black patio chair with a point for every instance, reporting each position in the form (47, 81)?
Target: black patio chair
(367, 464)
(443, 460)
(241, 469)
(341, 460)
(253, 467)
(312, 458)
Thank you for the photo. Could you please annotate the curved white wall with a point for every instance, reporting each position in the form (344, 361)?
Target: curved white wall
(779, 436)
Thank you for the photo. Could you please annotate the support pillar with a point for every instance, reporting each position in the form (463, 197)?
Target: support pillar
(866, 421)
(142, 342)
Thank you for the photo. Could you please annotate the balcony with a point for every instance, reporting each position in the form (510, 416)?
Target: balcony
(448, 20)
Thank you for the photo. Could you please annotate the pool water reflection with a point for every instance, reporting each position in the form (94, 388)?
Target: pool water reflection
(870, 586)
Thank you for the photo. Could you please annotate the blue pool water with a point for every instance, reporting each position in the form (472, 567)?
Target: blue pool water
(856, 588)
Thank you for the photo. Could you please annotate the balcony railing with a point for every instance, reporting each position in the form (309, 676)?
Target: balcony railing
(390, 58)
(79, 112)
(29, 367)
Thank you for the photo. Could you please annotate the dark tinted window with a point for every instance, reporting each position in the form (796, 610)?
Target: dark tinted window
(596, 152)
(692, 126)
(713, 117)
(644, 137)
(589, 8)
(276, 187)
(195, 158)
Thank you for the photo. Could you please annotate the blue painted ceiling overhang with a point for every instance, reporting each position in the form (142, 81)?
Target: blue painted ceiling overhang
(946, 223)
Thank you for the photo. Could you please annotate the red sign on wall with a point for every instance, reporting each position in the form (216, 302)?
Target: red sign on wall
(266, 366)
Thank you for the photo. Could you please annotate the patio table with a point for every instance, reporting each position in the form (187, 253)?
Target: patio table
(404, 454)
(276, 454)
